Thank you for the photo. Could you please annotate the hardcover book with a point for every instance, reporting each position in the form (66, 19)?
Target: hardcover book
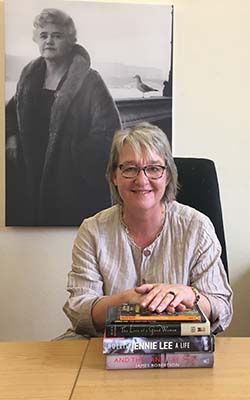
(129, 328)
(168, 344)
(163, 360)
(134, 312)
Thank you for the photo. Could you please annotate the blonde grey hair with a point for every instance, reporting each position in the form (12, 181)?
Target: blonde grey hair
(57, 17)
(143, 137)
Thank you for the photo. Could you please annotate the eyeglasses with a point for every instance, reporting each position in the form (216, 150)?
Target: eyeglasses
(150, 171)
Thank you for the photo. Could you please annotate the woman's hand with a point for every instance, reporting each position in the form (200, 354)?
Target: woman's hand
(99, 310)
(11, 147)
(160, 297)
(134, 296)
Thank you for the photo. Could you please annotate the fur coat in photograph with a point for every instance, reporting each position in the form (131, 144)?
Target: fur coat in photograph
(83, 119)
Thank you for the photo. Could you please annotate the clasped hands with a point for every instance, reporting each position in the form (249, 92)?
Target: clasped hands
(160, 297)
(11, 147)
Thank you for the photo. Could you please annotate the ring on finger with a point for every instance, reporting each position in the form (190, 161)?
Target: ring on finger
(172, 292)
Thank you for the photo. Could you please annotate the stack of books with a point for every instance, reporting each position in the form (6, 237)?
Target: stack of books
(137, 338)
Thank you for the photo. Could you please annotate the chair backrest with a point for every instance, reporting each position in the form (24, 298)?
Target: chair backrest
(199, 189)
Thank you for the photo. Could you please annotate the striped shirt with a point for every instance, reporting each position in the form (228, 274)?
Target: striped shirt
(106, 261)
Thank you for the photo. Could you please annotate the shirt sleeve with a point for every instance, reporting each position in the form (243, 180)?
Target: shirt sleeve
(85, 283)
(208, 275)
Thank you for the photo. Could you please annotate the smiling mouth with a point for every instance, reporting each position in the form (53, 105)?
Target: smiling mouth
(142, 191)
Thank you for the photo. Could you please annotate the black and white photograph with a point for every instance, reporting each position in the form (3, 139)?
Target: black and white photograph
(76, 72)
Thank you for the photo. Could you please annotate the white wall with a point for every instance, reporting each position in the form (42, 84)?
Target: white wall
(211, 119)
(211, 101)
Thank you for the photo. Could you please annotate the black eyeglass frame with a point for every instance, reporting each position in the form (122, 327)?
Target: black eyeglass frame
(144, 169)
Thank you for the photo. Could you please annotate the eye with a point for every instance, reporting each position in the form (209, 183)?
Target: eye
(58, 36)
(153, 169)
(132, 169)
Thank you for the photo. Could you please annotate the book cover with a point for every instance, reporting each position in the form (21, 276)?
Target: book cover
(134, 312)
(115, 327)
(163, 360)
(168, 344)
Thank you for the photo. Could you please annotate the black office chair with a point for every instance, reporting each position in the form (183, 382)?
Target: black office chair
(199, 189)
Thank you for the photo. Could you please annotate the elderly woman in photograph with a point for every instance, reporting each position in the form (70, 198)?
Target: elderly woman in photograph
(147, 249)
(59, 128)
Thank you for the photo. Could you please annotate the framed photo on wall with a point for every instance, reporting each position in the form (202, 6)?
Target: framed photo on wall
(75, 73)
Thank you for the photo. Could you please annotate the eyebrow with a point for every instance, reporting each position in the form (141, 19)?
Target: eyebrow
(150, 162)
(52, 33)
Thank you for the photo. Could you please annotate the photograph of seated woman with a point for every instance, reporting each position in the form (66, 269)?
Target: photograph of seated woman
(59, 129)
(147, 248)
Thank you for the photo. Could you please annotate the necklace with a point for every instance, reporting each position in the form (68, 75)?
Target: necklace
(153, 237)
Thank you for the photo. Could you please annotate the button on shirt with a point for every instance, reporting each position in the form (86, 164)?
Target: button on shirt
(106, 261)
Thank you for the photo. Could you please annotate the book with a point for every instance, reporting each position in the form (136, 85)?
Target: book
(118, 328)
(162, 360)
(134, 312)
(169, 344)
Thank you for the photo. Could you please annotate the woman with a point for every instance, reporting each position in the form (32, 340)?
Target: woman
(148, 248)
(59, 128)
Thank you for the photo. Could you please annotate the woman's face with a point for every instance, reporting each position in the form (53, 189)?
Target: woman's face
(52, 41)
(140, 192)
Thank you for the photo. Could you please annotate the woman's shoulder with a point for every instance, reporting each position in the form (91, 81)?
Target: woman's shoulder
(37, 63)
(96, 80)
(103, 218)
(190, 223)
(33, 68)
(187, 215)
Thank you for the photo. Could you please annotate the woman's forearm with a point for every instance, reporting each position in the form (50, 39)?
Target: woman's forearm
(204, 304)
(99, 310)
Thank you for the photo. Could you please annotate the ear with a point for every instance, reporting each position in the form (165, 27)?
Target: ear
(114, 177)
(168, 180)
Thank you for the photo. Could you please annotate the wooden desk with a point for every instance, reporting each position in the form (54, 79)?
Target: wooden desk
(228, 380)
(41, 370)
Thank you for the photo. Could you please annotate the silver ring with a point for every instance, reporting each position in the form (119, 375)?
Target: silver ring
(173, 293)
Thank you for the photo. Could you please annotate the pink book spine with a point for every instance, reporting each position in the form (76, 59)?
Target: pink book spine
(163, 360)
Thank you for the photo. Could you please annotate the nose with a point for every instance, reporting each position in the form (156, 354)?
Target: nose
(49, 39)
(141, 176)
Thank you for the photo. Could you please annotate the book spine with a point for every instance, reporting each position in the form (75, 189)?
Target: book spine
(144, 345)
(164, 360)
(160, 318)
(150, 330)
